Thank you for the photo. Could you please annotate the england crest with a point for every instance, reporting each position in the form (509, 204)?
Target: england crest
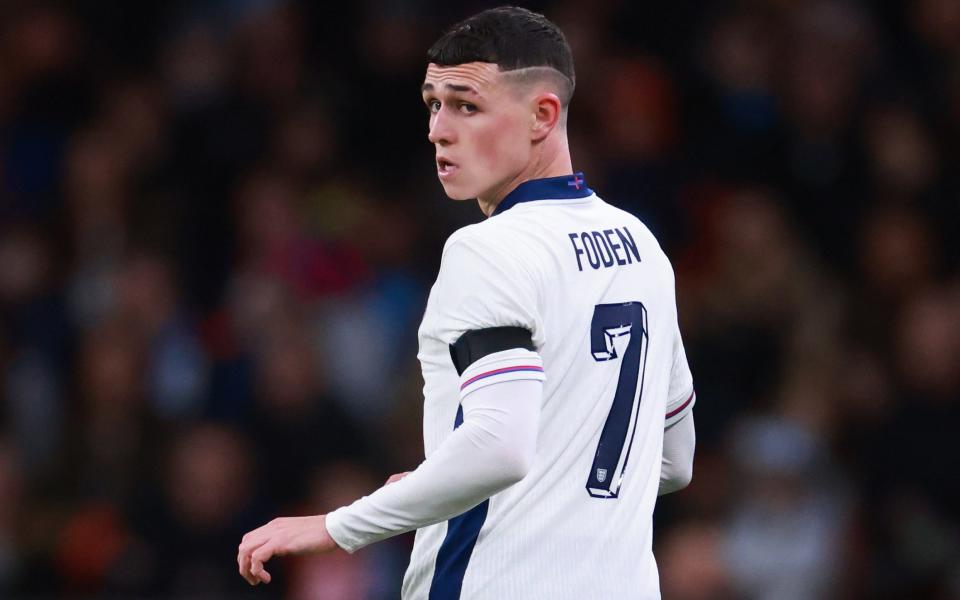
(601, 475)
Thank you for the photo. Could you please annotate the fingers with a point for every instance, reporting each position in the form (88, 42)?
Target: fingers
(293, 535)
(260, 556)
(258, 573)
(243, 563)
(250, 570)
(261, 574)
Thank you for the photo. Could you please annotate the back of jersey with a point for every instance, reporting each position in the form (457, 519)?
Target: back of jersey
(579, 525)
(595, 290)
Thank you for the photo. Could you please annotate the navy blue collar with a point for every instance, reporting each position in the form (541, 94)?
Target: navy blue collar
(566, 187)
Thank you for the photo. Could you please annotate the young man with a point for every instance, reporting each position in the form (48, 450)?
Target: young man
(557, 397)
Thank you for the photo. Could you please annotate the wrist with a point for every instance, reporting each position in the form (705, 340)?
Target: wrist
(332, 523)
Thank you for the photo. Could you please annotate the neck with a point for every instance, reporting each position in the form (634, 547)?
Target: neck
(550, 159)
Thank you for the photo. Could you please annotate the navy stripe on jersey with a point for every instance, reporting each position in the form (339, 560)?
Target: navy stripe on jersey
(457, 547)
(566, 187)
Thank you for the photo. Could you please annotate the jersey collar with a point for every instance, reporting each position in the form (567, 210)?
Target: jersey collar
(566, 187)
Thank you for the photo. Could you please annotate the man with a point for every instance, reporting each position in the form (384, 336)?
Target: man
(550, 351)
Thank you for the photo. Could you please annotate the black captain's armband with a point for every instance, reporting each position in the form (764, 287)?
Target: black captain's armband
(474, 345)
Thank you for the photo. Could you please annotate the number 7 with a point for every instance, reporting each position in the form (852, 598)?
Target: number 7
(611, 321)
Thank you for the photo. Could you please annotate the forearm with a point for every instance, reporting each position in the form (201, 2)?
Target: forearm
(490, 451)
(679, 442)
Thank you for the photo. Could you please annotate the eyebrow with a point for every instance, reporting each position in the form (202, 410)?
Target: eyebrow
(428, 87)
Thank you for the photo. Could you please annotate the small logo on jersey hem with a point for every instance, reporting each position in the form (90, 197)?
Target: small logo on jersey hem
(601, 475)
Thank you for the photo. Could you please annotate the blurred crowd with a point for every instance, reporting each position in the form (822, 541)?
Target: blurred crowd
(219, 222)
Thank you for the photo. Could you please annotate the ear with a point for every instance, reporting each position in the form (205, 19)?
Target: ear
(545, 115)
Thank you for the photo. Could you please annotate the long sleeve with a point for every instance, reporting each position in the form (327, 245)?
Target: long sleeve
(492, 449)
(679, 442)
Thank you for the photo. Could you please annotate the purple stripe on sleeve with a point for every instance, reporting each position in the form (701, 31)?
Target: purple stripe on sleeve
(682, 406)
(501, 371)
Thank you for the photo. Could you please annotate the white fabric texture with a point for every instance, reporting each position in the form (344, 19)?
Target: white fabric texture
(680, 395)
(491, 450)
(508, 365)
(483, 284)
(560, 268)
(679, 443)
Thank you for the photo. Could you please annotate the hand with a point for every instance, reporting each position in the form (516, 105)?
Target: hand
(279, 537)
(396, 477)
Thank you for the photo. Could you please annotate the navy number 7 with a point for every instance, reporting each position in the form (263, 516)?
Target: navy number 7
(611, 321)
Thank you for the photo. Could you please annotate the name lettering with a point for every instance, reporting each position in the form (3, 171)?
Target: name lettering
(604, 249)
(606, 254)
(592, 255)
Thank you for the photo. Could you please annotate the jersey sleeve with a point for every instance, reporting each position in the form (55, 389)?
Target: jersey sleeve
(483, 284)
(681, 396)
(492, 448)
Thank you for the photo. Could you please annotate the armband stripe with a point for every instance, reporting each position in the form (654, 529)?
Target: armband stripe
(532, 368)
(682, 406)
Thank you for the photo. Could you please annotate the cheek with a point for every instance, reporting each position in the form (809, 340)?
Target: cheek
(500, 146)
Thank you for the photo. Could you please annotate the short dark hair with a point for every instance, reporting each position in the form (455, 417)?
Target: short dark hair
(512, 38)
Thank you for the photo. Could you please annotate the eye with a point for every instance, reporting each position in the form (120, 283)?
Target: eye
(433, 105)
(468, 108)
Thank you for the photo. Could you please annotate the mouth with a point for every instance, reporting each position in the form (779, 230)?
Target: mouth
(445, 168)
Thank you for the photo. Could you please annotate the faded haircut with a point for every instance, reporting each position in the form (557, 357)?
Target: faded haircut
(525, 46)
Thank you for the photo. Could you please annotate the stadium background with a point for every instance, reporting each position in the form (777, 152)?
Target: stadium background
(219, 222)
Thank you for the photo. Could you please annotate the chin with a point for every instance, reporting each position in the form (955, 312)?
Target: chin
(456, 192)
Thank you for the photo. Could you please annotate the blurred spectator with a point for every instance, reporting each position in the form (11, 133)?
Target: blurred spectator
(191, 518)
(693, 564)
(897, 254)
(784, 540)
(112, 434)
(294, 422)
(904, 162)
(37, 327)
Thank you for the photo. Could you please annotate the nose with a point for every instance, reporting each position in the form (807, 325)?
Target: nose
(441, 130)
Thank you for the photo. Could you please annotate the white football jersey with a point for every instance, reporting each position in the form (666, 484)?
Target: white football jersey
(592, 285)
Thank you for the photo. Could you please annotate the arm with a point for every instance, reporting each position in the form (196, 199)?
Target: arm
(480, 287)
(679, 436)
(679, 441)
(492, 449)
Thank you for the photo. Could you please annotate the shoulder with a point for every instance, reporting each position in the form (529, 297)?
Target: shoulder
(492, 243)
(479, 286)
(464, 237)
(489, 233)
(486, 259)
